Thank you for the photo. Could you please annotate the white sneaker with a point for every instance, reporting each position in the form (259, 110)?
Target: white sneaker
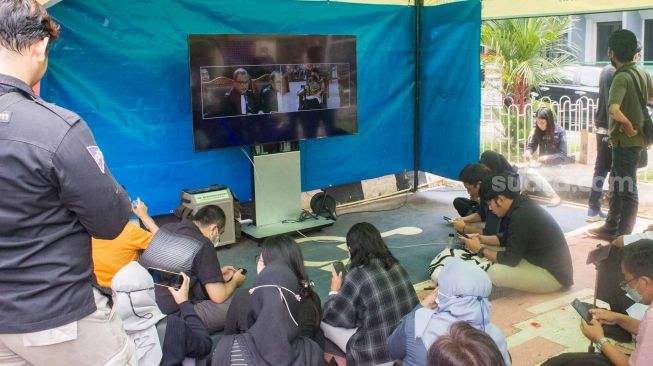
(595, 216)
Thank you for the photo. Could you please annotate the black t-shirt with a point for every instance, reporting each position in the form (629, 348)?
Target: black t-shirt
(181, 247)
(531, 233)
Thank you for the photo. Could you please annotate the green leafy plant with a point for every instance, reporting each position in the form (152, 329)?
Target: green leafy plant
(528, 52)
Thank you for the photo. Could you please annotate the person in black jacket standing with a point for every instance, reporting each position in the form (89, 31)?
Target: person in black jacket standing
(56, 191)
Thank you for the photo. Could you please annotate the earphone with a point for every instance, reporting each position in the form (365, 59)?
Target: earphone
(283, 298)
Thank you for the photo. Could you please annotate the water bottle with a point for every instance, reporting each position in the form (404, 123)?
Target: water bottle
(452, 241)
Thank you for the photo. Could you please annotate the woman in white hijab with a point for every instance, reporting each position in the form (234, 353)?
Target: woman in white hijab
(461, 296)
(184, 336)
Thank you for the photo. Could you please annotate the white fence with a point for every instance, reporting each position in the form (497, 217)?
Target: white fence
(506, 130)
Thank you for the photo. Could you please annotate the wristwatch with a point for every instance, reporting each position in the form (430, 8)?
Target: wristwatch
(480, 252)
(600, 343)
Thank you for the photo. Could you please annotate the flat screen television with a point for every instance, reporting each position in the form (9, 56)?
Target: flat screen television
(257, 89)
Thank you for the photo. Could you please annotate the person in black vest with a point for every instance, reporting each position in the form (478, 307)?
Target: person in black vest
(188, 247)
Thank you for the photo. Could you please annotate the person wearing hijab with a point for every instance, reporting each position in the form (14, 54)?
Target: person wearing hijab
(281, 249)
(272, 335)
(184, 336)
(461, 296)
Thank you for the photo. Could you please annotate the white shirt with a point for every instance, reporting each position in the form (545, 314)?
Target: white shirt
(243, 104)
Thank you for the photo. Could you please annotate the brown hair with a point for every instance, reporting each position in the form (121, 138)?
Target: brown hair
(23, 22)
(464, 345)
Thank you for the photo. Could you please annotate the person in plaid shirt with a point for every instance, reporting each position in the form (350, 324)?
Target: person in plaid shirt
(367, 305)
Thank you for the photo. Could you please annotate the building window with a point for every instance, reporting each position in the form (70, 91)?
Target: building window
(603, 32)
(648, 40)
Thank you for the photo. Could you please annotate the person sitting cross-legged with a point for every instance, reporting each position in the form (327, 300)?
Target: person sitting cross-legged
(473, 209)
(270, 322)
(369, 302)
(536, 256)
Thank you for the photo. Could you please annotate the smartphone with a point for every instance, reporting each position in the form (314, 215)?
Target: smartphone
(166, 278)
(339, 267)
(582, 310)
(242, 270)
(446, 218)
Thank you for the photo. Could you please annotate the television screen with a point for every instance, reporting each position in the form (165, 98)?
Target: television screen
(257, 89)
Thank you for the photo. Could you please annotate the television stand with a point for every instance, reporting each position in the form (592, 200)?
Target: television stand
(277, 197)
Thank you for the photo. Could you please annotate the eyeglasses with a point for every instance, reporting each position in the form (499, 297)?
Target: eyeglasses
(625, 283)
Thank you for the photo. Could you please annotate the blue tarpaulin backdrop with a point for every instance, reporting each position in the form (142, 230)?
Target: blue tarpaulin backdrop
(450, 90)
(123, 66)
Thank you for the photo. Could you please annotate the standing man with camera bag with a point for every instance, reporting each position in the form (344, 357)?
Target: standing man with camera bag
(627, 133)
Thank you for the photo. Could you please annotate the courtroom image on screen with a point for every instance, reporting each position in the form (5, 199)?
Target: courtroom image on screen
(254, 89)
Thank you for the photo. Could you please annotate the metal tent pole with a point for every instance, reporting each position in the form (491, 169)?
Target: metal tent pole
(416, 124)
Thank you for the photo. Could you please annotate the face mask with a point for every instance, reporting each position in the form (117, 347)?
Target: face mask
(633, 294)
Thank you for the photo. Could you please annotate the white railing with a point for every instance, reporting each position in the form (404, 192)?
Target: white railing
(507, 130)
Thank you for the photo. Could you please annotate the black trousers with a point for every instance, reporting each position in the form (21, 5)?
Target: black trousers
(624, 200)
(465, 206)
(601, 168)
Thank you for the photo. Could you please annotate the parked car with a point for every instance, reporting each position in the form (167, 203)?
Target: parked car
(577, 82)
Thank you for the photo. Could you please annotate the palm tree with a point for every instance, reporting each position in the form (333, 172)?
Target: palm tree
(528, 51)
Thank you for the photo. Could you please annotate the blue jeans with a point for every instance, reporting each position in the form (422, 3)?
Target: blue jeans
(624, 200)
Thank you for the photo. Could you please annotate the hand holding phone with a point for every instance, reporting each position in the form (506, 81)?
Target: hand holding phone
(165, 278)
(582, 310)
(340, 268)
(181, 295)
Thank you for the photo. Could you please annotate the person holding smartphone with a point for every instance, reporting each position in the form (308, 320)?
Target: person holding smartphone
(109, 256)
(462, 295)
(474, 209)
(268, 323)
(280, 250)
(637, 268)
(184, 335)
(188, 246)
(364, 307)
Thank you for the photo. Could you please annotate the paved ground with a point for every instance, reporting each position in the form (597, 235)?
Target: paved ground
(538, 326)
(573, 181)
